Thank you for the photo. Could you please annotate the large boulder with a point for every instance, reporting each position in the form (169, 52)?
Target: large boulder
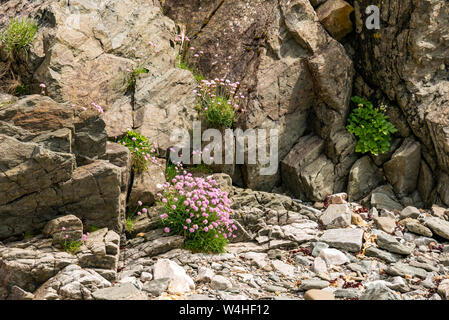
(403, 168)
(302, 169)
(164, 101)
(363, 178)
(335, 17)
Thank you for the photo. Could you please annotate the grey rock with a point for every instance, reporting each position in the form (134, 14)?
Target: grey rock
(403, 168)
(69, 225)
(318, 247)
(156, 287)
(414, 226)
(313, 284)
(345, 239)
(379, 291)
(205, 274)
(381, 254)
(410, 212)
(363, 178)
(347, 293)
(439, 226)
(388, 242)
(220, 283)
(336, 216)
(401, 269)
(72, 283)
(333, 257)
(398, 284)
(123, 291)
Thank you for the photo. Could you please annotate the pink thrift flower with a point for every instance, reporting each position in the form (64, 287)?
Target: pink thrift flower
(167, 229)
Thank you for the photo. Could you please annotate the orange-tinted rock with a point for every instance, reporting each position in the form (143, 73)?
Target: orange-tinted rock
(334, 15)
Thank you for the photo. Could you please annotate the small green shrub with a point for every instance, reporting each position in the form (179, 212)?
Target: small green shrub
(132, 76)
(18, 35)
(200, 168)
(129, 224)
(22, 90)
(171, 170)
(72, 247)
(371, 127)
(142, 150)
(185, 66)
(199, 210)
(93, 228)
(134, 214)
(187, 53)
(218, 102)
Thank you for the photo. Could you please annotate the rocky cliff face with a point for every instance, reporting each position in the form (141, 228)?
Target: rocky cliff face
(298, 63)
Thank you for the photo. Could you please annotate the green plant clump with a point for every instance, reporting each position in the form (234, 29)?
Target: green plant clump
(198, 209)
(132, 76)
(133, 215)
(18, 35)
(142, 150)
(72, 247)
(371, 128)
(219, 104)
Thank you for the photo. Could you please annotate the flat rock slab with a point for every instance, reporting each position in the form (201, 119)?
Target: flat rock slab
(382, 254)
(345, 239)
(123, 291)
(439, 226)
(400, 269)
(388, 242)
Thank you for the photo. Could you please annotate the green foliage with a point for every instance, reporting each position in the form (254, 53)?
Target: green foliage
(371, 127)
(18, 35)
(217, 112)
(200, 168)
(141, 149)
(133, 215)
(72, 247)
(181, 64)
(132, 76)
(130, 224)
(22, 90)
(170, 171)
(205, 242)
(93, 228)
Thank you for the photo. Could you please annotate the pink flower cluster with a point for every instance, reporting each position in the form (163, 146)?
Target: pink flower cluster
(145, 149)
(66, 236)
(209, 90)
(98, 107)
(195, 204)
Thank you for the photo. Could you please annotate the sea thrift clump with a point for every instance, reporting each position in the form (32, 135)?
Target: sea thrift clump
(133, 215)
(197, 209)
(188, 57)
(72, 245)
(142, 150)
(218, 102)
